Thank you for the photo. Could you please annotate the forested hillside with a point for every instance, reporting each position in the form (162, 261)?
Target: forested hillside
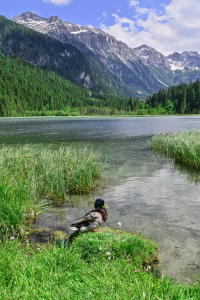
(48, 53)
(182, 98)
(27, 89)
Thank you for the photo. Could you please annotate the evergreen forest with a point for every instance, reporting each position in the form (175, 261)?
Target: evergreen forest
(26, 89)
(179, 99)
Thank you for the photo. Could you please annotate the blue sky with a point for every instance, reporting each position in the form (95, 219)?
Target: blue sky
(168, 25)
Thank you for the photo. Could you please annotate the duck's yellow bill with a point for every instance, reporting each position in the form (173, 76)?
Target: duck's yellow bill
(105, 206)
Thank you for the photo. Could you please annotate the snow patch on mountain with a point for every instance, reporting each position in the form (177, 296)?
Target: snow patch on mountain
(77, 32)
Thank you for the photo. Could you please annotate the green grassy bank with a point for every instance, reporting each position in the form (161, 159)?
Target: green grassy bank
(184, 146)
(107, 265)
(31, 173)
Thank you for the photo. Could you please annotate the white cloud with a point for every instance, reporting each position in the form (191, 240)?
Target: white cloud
(90, 26)
(105, 14)
(119, 31)
(133, 2)
(152, 3)
(58, 2)
(142, 10)
(36, 12)
(177, 28)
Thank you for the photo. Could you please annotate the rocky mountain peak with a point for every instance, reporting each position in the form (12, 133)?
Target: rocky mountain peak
(175, 56)
(55, 20)
(27, 16)
(144, 47)
(151, 56)
(186, 59)
(190, 53)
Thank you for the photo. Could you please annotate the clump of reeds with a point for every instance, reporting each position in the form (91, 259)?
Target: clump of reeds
(184, 146)
(31, 172)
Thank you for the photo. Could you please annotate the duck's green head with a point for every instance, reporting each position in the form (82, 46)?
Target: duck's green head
(99, 203)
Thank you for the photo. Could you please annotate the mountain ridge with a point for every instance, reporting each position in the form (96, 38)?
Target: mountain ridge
(139, 71)
(117, 57)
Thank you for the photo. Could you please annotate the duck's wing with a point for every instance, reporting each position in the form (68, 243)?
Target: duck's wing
(91, 217)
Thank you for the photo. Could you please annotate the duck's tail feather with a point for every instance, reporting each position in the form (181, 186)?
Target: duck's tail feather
(73, 228)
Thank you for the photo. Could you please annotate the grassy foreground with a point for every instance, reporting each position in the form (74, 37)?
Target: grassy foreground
(31, 173)
(107, 265)
(184, 146)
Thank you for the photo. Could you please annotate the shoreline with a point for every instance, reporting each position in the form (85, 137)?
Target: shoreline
(105, 116)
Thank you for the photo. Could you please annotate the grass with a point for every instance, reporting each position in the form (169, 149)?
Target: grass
(184, 146)
(86, 270)
(31, 173)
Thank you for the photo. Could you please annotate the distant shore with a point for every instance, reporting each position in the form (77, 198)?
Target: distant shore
(104, 116)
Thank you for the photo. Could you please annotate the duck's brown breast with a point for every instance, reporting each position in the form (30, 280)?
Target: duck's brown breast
(104, 213)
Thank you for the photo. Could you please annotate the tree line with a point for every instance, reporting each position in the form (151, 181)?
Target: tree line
(181, 98)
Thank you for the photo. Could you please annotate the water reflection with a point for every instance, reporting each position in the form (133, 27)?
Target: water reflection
(192, 174)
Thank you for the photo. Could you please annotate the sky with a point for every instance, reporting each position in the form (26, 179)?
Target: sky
(167, 25)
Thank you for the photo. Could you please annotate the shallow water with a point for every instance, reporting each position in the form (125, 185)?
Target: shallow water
(144, 191)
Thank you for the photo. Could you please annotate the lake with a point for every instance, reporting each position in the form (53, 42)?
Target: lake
(144, 191)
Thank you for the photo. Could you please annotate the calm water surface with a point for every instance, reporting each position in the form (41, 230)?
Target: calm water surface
(144, 191)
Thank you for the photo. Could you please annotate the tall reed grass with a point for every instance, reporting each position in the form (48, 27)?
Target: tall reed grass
(184, 146)
(32, 172)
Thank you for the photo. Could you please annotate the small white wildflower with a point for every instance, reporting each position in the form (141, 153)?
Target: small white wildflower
(144, 295)
(100, 248)
(12, 238)
(107, 233)
(109, 257)
(90, 239)
(149, 267)
(119, 224)
(107, 253)
(38, 248)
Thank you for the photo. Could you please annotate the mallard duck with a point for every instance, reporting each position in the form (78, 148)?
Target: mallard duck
(92, 220)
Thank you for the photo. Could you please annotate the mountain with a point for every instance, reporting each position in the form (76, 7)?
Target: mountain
(186, 59)
(64, 59)
(111, 61)
(139, 71)
(173, 68)
(43, 51)
(151, 57)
